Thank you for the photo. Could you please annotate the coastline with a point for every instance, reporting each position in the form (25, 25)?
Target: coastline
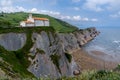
(91, 62)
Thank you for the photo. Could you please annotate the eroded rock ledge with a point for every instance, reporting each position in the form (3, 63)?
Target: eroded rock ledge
(50, 52)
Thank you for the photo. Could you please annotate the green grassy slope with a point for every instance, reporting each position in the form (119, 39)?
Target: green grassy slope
(13, 20)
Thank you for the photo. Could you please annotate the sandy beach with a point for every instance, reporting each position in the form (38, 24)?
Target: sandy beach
(87, 61)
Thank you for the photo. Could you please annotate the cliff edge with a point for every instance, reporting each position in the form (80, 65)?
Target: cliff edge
(41, 52)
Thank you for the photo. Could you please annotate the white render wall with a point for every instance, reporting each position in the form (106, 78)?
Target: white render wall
(47, 23)
(23, 24)
(29, 25)
(39, 23)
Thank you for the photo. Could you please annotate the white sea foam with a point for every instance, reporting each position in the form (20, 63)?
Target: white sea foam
(116, 41)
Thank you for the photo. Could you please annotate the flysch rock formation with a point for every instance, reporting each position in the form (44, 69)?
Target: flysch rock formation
(48, 50)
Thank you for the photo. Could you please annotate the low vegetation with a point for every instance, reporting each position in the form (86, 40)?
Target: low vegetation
(26, 29)
(85, 75)
(40, 51)
(69, 57)
(55, 58)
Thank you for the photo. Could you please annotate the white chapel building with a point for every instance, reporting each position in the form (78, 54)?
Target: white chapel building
(34, 22)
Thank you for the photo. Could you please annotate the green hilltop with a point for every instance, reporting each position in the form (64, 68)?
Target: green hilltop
(10, 20)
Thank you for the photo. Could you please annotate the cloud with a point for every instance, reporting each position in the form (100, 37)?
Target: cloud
(101, 5)
(7, 6)
(116, 15)
(13, 9)
(5, 3)
(85, 19)
(34, 10)
(94, 20)
(76, 8)
(75, 1)
(63, 17)
(19, 8)
(51, 13)
(77, 18)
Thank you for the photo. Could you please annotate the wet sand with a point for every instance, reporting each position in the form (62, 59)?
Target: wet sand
(87, 61)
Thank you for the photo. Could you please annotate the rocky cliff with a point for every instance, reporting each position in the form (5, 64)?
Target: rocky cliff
(43, 53)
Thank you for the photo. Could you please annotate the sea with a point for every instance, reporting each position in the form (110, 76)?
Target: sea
(107, 42)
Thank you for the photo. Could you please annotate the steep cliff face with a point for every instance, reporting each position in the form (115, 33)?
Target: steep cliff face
(75, 40)
(48, 50)
(12, 41)
(50, 53)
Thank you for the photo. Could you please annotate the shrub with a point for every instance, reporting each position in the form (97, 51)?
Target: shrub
(117, 68)
(69, 57)
(55, 58)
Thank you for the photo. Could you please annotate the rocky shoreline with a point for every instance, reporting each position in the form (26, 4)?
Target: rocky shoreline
(89, 62)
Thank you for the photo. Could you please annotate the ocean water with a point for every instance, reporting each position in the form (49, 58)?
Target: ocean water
(108, 42)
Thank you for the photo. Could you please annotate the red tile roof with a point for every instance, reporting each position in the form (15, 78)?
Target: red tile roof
(28, 22)
(36, 18)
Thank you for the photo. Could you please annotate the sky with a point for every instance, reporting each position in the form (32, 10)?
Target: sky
(86, 13)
